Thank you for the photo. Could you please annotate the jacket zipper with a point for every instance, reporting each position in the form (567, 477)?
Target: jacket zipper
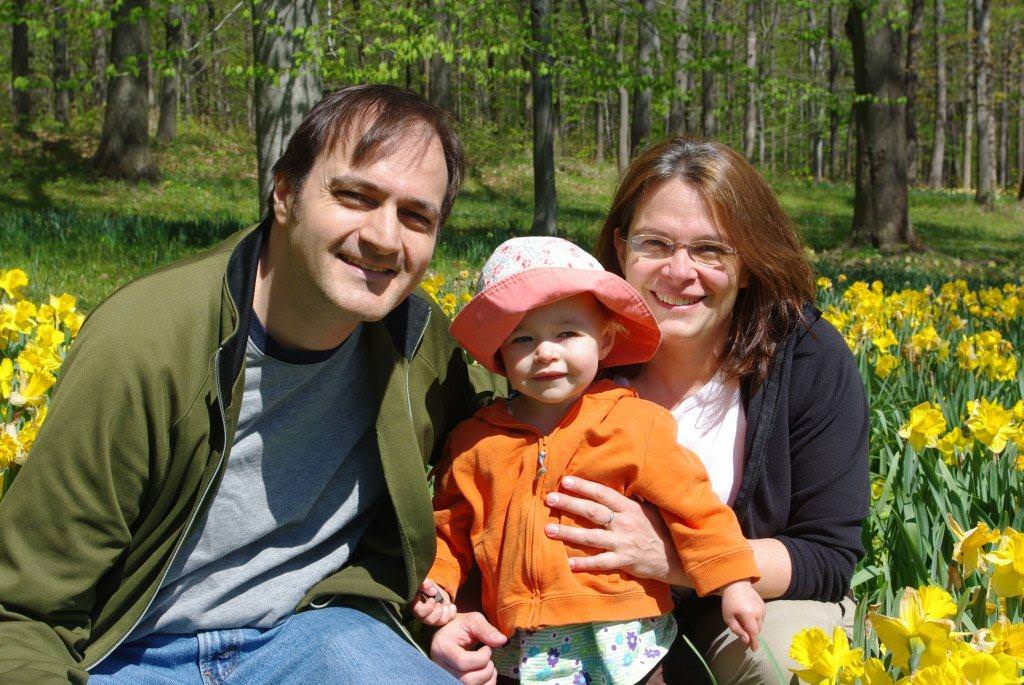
(192, 519)
(531, 556)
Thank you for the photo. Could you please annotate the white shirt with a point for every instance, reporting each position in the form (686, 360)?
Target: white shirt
(713, 424)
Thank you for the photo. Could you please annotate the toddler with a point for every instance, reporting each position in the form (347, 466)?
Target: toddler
(548, 317)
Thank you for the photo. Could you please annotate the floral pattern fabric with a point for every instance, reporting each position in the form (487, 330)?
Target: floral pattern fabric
(612, 653)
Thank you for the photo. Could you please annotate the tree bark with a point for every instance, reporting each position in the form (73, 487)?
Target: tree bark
(935, 179)
(440, 70)
(641, 129)
(707, 92)
(61, 67)
(969, 103)
(544, 198)
(880, 215)
(682, 77)
(124, 145)
(620, 55)
(815, 53)
(986, 192)
(289, 84)
(21, 99)
(750, 112)
(170, 83)
(588, 30)
(913, 57)
(833, 105)
(98, 58)
(1020, 117)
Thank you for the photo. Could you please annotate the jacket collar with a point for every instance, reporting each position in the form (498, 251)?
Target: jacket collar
(497, 413)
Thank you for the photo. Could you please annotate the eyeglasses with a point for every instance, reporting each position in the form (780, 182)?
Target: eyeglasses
(656, 247)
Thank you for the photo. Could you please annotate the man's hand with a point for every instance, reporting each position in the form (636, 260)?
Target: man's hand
(432, 605)
(743, 611)
(454, 648)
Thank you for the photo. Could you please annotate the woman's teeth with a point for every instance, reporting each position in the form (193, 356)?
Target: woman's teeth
(677, 301)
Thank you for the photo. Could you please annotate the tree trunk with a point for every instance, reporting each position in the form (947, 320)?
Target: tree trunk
(750, 113)
(620, 55)
(170, 83)
(707, 93)
(815, 54)
(834, 99)
(1020, 119)
(440, 70)
(986, 192)
(641, 129)
(61, 67)
(682, 77)
(588, 29)
(1003, 174)
(544, 199)
(969, 103)
(98, 57)
(880, 200)
(21, 99)
(287, 88)
(939, 145)
(913, 53)
(124, 145)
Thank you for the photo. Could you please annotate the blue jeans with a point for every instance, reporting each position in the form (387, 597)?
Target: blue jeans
(334, 645)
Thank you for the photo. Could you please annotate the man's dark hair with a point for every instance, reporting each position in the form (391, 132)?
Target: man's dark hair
(388, 115)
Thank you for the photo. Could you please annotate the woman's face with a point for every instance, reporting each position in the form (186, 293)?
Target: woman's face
(693, 303)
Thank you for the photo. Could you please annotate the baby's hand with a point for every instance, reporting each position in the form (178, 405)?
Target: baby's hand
(432, 604)
(743, 611)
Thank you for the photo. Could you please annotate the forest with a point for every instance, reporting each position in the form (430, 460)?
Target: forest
(886, 94)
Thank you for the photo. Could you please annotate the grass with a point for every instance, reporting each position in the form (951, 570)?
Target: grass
(78, 233)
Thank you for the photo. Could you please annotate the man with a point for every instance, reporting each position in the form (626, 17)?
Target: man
(231, 479)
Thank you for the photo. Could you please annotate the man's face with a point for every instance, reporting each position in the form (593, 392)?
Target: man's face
(358, 240)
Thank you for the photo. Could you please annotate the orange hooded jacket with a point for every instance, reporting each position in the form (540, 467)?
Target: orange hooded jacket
(489, 509)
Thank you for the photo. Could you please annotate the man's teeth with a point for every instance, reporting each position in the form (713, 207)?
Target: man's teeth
(677, 301)
(364, 265)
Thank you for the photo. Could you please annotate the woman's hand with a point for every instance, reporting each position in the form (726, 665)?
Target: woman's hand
(454, 648)
(634, 537)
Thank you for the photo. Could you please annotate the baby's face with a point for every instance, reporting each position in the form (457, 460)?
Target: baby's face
(555, 351)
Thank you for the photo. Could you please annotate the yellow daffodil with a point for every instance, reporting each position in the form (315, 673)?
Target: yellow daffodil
(36, 357)
(921, 634)
(990, 424)
(925, 425)
(1008, 564)
(874, 673)
(12, 281)
(63, 304)
(989, 669)
(32, 388)
(884, 339)
(952, 442)
(885, 365)
(824, 283)
(825, 661)
(6, 378)
(9, 447)
(1003, 637)
(73, 322)
(967, 548)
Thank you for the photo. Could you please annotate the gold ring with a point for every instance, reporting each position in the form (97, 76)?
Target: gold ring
(609, 521)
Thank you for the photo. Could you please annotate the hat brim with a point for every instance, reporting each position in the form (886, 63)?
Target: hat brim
(491, 316)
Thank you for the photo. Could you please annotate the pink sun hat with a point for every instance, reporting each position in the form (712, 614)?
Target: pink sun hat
(526, 273)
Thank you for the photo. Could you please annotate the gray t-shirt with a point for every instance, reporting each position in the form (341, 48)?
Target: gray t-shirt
(303, 481)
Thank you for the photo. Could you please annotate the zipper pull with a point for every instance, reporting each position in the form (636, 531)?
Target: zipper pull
(541, 469)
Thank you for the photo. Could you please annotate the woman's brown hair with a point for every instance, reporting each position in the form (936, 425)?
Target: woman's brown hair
(744, 208)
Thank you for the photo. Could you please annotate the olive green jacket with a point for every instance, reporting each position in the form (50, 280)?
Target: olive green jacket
(137, 436)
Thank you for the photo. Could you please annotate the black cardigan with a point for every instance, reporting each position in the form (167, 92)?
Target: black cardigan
(805, 475)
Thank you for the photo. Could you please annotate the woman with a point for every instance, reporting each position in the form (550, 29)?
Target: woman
(765, 392)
